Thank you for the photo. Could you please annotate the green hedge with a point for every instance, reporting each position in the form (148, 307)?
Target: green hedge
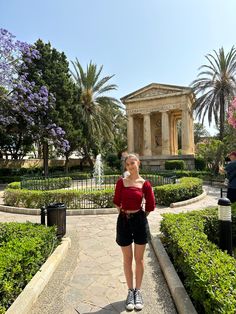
(186, 188)
(174, 164)
(211, 226)
(23, 250)
(164, 194)
(72, 198)
(14, 185)
(46, 183)
(9, 179)
(208, 273)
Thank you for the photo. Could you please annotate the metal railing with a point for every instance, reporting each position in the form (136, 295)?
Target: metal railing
(90, 197)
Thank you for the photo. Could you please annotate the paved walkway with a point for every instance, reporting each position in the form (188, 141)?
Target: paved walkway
(90, 279)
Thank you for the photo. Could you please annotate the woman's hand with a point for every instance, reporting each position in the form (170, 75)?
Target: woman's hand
(221, 170)
(118, 209)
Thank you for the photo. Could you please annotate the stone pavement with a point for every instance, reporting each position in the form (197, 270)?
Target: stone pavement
(90, 279)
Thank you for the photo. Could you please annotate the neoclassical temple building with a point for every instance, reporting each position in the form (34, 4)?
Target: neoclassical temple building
(153, 112)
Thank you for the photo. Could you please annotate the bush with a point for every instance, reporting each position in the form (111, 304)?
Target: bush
(14, 185)
(23, 250)
(200, 163)
(46, 183)
(208, 273)
(174, 164)
(113, 161)
(71, 198)
(170, 193)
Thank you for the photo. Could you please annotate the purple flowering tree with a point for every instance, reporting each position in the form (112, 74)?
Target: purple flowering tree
(24, 108)
(232, 113)
(11, 52)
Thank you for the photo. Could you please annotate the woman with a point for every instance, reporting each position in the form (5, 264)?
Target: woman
(132, 226)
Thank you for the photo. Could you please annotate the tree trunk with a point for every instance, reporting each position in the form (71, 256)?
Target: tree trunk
(67, 154)
(222, 119)
(45, 159)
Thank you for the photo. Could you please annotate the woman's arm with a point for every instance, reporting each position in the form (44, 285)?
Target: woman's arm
(149, 197)
(117, 194)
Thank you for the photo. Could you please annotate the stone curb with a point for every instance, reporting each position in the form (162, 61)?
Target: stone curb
(190, 201)
(181, 299)
(26, 299)
(69, 212)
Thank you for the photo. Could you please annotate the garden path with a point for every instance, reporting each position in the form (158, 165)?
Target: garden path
(90, 279)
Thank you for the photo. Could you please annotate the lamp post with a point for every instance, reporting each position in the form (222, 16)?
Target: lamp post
(225, 225)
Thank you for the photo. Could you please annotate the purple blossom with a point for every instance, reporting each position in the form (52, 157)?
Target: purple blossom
(27, 107)
(11, 56)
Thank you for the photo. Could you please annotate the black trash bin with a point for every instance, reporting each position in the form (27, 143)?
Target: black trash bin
(56, 215)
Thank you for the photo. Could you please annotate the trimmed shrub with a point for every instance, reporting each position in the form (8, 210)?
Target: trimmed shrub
(23, 250)
(174, 165)
(170, 193)
(14, 185)
(208, 273)
(46, 183)
(200, 163)
(72, 198)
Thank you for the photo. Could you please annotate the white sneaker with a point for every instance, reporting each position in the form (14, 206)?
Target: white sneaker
(129, 303)
(138, 300)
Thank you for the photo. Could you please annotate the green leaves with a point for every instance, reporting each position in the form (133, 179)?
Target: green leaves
(215, 87)
(171, 193)
(24, 248)
(208, 273)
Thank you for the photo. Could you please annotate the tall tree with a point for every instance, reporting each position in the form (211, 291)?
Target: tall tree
(200, 132)
(215, 87)
(26, 112)
(52, 70)
(95, 106)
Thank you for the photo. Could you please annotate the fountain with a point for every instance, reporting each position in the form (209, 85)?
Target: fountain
(98, 170)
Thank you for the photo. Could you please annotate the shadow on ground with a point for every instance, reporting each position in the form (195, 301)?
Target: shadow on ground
(112, 308)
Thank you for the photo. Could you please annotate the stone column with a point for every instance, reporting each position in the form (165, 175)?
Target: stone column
(191, 126)
(186, 136)
(147, 151)
(165, 130)
(130, 133)
(175, 137)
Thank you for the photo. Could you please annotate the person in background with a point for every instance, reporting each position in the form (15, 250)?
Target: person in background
(132, 226)
(230, 170)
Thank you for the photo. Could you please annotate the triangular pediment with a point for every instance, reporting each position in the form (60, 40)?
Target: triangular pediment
(155, 90)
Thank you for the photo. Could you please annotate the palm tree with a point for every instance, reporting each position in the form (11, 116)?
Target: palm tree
(216, 84)
(96, 108)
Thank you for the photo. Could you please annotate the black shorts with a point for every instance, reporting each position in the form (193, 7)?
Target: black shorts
(132, 228)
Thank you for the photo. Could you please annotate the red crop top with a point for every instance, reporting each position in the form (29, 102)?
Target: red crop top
(130, 197)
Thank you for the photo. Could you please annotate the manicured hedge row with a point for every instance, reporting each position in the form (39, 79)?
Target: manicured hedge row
(8, 179)
(174, 164)
(73, 175)
(47, 183)
(211, 224)
(209, 274)
(184, 173)
(14, 185)
(186, 188)
(72, 198)
(23, 250)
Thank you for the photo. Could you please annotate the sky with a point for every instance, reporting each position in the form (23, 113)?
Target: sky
(139, 41)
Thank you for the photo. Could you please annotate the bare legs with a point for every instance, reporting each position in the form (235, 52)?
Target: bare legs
(139, 264)
(138, 255)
